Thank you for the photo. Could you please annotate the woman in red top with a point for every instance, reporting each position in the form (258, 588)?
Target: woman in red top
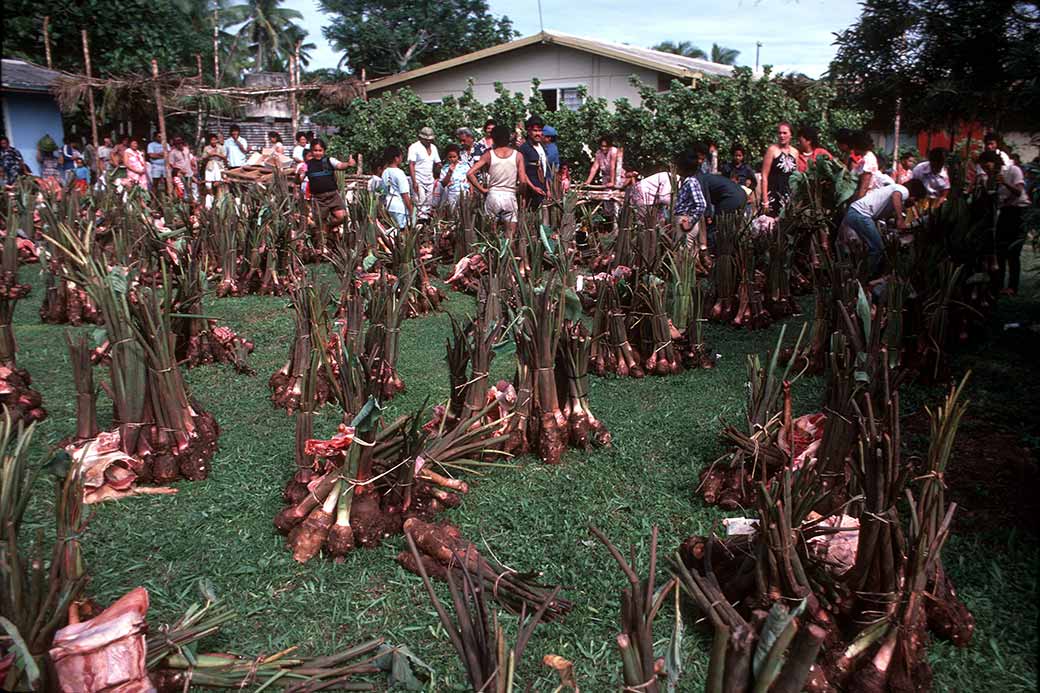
(809, 147)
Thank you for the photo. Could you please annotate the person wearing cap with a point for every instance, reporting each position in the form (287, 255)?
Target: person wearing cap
(552, 153)
(536, 163)
(422, 156)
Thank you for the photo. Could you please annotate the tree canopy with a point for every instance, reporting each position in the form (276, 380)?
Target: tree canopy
(946, 59)
(719, 54)
(124, 34)
(389, 36)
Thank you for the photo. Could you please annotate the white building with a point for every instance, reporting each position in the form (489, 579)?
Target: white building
(561, 63)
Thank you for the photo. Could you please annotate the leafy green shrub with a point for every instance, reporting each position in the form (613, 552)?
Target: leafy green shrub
(741, 109)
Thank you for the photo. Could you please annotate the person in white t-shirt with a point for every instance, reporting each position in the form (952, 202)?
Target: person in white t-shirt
(867, 171)
(890, 201)
(236, 147)
(156, 152)
(422, 157)
(1010, 236)
(302, 146)
(397, 191)
(933, 175)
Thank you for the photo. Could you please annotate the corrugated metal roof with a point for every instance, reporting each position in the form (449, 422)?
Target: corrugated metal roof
(668, 63)
(19, 75)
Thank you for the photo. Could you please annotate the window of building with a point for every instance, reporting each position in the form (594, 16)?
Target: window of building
(561, 97)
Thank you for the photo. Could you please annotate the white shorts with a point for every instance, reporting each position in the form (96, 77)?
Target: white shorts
(213, 175)
(501, 205)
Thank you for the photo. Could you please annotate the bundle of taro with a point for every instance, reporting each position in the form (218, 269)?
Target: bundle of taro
(42, 574)
(694, 349)
(641, 601)
(199, 339)
(730, 235)
(385, 309)
(778, 251)
(551, 348)
(729, 480)
(114, 650)
(160, 426)
(442, 550)
(313, 334)
(476, 634)
(654, 329)
(63, 301)
(369, 478)
(253, 243)
(423, 297)
(611, 350)
(22, 402)
(861, 586)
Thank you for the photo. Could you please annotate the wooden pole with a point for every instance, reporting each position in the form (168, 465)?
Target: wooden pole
(216, 51)
(90, 94)
(294, 81)
(364, 85)
(198, 104)
(47, 41)
(895, 147)
(162, 124)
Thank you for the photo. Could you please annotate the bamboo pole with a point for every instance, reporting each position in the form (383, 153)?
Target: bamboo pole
(162, 125)
(47, 41)
(364, 85)
(90, 97)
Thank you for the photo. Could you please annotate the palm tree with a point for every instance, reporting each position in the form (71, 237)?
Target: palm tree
(723, 55)
(270, 30)
(683, 48)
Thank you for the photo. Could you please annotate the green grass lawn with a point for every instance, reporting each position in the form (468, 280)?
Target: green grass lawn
(532, 517)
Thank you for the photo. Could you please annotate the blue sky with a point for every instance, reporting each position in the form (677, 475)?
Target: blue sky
(796, 35)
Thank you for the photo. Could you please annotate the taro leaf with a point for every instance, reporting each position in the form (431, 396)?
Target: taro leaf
(369, 262)
(861, 365)
(778, 619)
(59, 464)
(673, 657)
(863, 310)
(367, 417)
(206, 589)
(550, 245)
(25, 660)
(571, 306)
(504, 348)
(402, 665)
(117, 279)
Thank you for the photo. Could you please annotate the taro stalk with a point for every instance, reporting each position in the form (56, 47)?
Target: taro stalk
(640, 602)
(539, 330)
(476, 634)
(662, 359)
(10, 290)
(83, 376)
(485, 336)
(574, 372)
(458, 358)
(40, 582)
(173, 664)
(443, 549)
(682, 264)
(728, 232)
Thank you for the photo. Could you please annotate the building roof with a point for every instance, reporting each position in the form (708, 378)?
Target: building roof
(19, 75)
(668, 63)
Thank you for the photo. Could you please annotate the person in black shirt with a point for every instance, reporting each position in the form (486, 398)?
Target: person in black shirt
(536, 163)
(321, 180)
(737, 170)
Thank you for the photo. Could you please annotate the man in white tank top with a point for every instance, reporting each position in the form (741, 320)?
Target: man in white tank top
(505, 175)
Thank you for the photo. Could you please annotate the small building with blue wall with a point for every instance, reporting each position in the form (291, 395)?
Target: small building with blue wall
(29, 108)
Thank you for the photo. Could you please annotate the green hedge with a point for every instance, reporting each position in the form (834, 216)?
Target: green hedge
(741, 108)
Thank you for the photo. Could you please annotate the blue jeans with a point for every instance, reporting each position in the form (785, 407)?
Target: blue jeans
(867, 230)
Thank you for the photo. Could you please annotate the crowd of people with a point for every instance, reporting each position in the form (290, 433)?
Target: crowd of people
(519, 168)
